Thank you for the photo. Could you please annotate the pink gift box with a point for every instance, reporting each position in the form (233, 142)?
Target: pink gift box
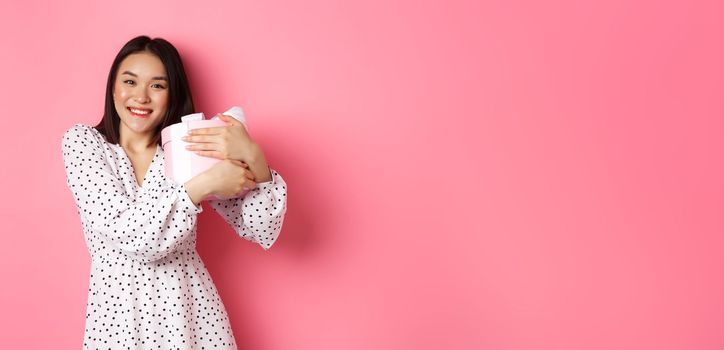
(180, 164)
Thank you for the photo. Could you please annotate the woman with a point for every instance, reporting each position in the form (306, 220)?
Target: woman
(148, 286)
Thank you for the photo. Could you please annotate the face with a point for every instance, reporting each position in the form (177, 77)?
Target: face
(140, 93)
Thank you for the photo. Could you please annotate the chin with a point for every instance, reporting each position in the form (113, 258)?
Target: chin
(141, 126)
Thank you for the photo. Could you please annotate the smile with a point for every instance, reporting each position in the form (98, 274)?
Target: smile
(140, 112)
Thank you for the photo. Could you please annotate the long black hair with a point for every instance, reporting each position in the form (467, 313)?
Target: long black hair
(180, 102)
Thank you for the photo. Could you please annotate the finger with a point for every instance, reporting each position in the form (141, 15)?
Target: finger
(211, 154)
(207, 131)
(229, 119)
(203, 147)
(248, 174)
(249, 185)
(200, 138)
(240, 163)
(234, 122)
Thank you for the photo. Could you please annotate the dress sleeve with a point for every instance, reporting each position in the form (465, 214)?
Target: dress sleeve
(145, 230)
(258, 216)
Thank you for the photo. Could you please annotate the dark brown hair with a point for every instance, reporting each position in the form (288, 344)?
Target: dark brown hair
(180, 102)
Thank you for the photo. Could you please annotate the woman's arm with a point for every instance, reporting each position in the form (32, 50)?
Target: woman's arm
(258, 165)
(259, 215)
(145, 230)
(198, 189)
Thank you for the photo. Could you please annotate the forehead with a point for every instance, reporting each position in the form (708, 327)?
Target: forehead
(143, 64)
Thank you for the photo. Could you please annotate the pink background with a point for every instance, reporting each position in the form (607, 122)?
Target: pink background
(462, 174)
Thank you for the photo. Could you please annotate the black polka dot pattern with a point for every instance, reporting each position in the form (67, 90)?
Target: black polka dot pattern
(148, 287)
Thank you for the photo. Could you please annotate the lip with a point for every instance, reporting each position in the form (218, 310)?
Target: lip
(140, 115)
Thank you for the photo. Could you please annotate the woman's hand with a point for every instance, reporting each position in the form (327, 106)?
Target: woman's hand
(225, 179)
(228, 178)
(229, 142)
(223, 142)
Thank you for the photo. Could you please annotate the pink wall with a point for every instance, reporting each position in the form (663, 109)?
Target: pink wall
(462, 174)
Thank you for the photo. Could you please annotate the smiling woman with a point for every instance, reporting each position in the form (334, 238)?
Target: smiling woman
(144, 63)
(128, 82)
(148, 285)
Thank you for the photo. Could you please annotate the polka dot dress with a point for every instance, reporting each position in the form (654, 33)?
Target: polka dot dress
(148, 287)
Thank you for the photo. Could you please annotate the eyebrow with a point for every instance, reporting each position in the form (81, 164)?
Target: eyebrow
(154, 78)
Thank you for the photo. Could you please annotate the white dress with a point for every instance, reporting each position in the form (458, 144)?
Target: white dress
(148, 287)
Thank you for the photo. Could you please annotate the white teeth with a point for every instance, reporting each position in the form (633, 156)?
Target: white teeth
(138, 111)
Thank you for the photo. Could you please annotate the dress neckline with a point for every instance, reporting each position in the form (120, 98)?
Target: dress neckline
(133, 170)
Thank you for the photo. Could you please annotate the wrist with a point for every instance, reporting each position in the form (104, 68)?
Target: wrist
(198, 189)
(258, 166)
(261, 171)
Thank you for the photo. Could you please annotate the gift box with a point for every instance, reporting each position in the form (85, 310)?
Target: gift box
(180, 164)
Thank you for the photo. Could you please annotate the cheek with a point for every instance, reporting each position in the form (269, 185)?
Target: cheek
(161, 99)
(119, 93)
(119, 98)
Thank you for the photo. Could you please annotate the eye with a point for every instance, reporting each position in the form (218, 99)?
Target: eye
(158, 86)
(129, 82)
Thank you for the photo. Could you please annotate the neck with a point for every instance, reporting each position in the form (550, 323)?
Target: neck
(136, 143)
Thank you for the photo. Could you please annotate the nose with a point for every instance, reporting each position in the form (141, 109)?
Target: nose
(142, 96)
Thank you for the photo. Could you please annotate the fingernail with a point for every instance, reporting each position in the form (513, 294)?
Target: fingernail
(246, 188)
